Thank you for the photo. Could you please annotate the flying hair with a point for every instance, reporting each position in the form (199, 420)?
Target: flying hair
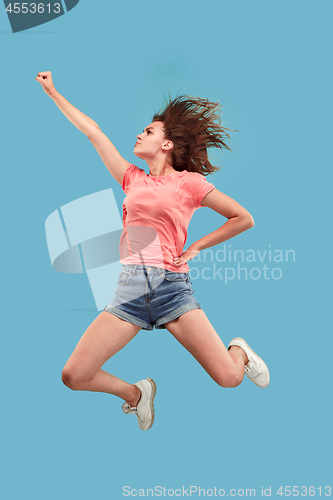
(193, 125)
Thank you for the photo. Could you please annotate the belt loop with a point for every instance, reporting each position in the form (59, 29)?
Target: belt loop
(132, 268)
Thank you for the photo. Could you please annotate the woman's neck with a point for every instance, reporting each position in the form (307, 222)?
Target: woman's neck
(158, 169)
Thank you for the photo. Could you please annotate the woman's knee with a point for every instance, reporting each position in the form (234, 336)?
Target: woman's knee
(72, 378)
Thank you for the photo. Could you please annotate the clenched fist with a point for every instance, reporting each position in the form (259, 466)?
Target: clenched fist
(45, 79)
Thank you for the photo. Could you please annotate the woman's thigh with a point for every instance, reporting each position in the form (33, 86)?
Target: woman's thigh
(195, 332)
(107, 335)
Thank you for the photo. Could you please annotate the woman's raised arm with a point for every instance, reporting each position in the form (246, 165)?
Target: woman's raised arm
(110, 156)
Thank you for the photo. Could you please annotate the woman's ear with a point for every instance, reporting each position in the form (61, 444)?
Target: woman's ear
(167, 145)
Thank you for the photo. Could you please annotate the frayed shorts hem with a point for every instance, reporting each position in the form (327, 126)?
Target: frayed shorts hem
(159, 325)
(128, 317)
(176, 313)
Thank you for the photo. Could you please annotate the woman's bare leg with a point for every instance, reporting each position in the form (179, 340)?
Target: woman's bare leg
(107, 335)
(195, 332)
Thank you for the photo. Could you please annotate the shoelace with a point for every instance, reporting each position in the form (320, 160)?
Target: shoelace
(250, 368)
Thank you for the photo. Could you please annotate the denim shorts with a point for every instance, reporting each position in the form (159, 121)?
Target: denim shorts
(150, 296)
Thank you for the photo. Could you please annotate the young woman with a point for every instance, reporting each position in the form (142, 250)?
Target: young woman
(154, 288)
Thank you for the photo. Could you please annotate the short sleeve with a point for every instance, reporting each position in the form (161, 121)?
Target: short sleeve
(129, 177)
(203, 187)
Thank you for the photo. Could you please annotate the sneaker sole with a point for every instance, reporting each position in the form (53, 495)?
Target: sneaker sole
(269, 377)
(153, 393)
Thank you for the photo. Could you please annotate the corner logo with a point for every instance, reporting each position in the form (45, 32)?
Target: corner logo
(25, 15)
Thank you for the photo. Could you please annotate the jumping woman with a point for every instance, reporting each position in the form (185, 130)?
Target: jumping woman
(154, 287)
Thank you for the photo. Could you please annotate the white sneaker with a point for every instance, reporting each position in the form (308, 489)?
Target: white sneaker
(256, 369)
(144, 410)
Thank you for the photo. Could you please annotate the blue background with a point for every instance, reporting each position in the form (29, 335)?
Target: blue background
(269, 64)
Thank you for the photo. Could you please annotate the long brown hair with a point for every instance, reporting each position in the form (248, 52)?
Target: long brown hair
(193, 125)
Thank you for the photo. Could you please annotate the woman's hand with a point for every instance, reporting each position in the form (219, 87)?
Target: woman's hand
(189, 254)
(45, 79)
(114, 162)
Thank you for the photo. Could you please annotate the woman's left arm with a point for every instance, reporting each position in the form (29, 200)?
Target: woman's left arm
(239, 219)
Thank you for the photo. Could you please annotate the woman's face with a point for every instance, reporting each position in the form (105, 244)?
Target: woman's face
(151, 142)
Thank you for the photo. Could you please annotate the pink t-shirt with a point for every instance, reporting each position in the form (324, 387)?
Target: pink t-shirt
(156, 215)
